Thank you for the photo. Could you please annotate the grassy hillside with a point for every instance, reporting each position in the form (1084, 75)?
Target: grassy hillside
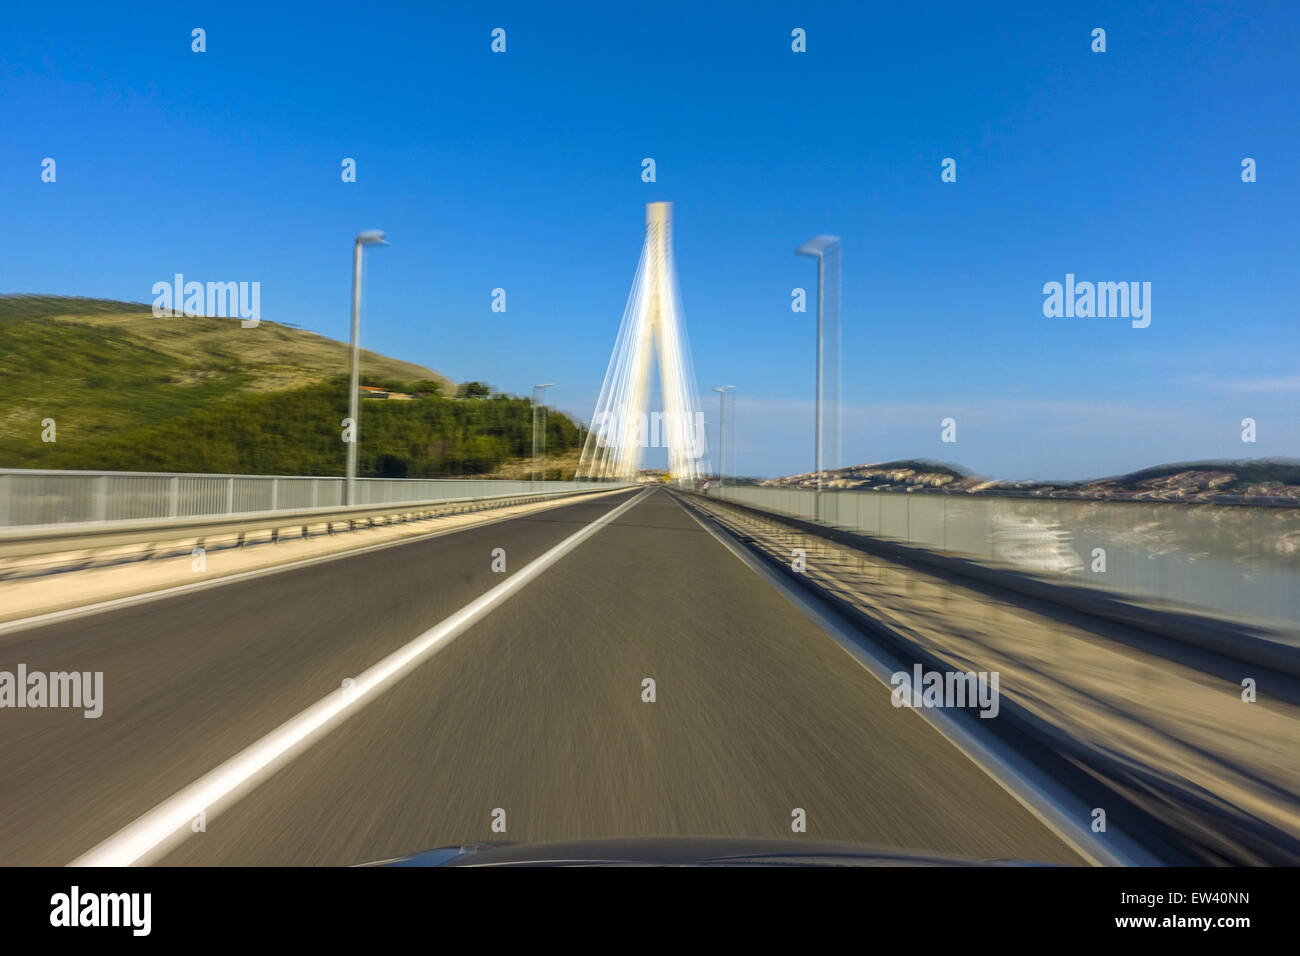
(128, 391)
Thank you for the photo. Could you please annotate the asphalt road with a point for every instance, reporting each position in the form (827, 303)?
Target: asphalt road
(536, 710)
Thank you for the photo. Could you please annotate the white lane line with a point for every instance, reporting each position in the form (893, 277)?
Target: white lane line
(1051, 804)
(153, 834)
(146, 597)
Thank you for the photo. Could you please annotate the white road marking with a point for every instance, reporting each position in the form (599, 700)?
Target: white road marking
(167, 824)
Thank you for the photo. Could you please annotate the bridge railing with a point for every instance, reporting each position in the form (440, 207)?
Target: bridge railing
(39, 497)
(1239, 561)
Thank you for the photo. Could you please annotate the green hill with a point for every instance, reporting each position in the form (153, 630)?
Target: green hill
(131, 392)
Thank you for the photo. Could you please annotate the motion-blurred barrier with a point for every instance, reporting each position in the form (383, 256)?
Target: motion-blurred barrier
(1112, 699)
(51, 539)
(29, 497)
(1239, 561)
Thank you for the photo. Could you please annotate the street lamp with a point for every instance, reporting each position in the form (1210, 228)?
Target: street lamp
(722, 435)
(817, 247)
(371, 237)
(536, 389)
(583, 428)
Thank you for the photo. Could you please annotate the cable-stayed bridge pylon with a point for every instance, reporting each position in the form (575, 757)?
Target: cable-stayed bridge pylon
(653, 326)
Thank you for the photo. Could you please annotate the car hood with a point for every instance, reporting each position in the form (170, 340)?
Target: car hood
(681, 851)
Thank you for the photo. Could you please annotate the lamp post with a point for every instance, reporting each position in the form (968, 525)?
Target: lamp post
(582, 444)
(817, 247)
(536, 389)
(722, 436)
(371, 237)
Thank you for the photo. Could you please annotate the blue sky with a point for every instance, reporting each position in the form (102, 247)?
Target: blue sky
(522, 171)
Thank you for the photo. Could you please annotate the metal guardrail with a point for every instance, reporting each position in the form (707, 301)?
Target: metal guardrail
(1241, 562)
(1230, 639)
(39, 497)
(1170, 807)
(54, 538)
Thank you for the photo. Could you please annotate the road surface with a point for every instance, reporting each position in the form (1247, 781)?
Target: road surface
(535, 710)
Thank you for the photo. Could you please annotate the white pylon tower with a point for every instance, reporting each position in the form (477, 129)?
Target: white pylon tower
(653, 325)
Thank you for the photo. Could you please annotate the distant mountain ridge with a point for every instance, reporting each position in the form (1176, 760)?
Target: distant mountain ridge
(1268, 481)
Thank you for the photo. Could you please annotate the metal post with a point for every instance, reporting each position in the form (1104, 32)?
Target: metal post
(821, 284)
(722, 436)
(353, 407)
(722, 439)
(538, 388)
(818, 246)
(369, 237)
